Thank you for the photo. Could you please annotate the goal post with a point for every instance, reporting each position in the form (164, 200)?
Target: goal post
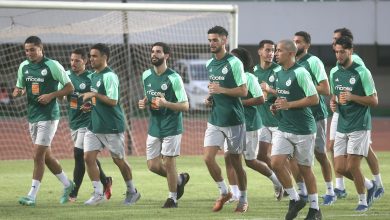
(129, 29)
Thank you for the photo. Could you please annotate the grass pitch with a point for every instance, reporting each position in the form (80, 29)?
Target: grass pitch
(199, 197)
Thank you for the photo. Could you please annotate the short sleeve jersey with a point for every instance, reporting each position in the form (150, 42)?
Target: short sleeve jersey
(358, 80)
(229, 73)
(106, 119)
(295, 84)
(252, 113)
(82, 84)
(317, 71)
(268, 76)
(164, 122)
(38, 79)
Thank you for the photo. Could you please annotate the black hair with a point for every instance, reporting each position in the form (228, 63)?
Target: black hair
(166, 48)
(344, 32)
(103, 49)
(263, 42)
(306, 36)
(81, 52)
(218, 30)
(245, 57)
(345, 42)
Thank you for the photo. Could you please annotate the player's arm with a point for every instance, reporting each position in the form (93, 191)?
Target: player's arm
(320, 74)
(371, 98)
(19, 88)
(103, 98)
(256, 91)
(180, 93)
(239, 91)
(253, 101)
(323, 88)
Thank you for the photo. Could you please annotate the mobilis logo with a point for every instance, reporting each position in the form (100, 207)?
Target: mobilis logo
(216, 78)
(343, 88)
(154, 93)
(282, 91)
(33, 79)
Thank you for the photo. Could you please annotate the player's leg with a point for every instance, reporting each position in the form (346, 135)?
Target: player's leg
(79, 164)
(265, 140)
(373, 164)
(213, 141)
(232, 178)
(153, 156)
(170, 165)
(294, 168)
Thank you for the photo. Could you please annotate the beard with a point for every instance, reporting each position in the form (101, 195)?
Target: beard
(299, 52)
(217, 50)
(157, 62)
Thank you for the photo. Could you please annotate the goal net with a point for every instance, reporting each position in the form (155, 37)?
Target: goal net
(129, 30)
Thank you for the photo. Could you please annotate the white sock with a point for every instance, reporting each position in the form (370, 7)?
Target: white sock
(313, 198)
(173, 195)
(63, 178)
(274, 180)
(223, 190)
(34, 189)
(97, 187)
(362, 199)
(329, 188)
(235, 191)
(368, 183)
(130, 186)
(302, 188)
(378, 180)
(292, 193)
(243, 197)
(340, 183)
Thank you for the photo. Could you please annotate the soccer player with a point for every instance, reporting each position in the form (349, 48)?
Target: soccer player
(354, 88)
(165, 94)
(265, 72)
(296, 129)
(253, 124)
(317, 71)
(226, 121)
(39, 76)
(79, 118)
(106, 127)
(371, 158)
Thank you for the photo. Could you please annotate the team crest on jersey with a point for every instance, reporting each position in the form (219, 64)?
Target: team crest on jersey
(26, 72)
(352, 81)
(44, 72)
(82, 86)
(271, 78)
(225, 70)
(288, 82)
(149, 85)
(211, 70)
(164, 86)
(98, 83)
(336, 80)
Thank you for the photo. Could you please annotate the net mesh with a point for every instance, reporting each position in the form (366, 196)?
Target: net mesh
(129, 35)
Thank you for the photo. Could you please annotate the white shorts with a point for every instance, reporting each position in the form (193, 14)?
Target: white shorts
(301, 147)
(78, 137)
(333, 126)
(167, 146)
(42, 132)
(234, 135)
(356, 142)
(252, 145)
(115, 143)
(320, 142)
(265, 134)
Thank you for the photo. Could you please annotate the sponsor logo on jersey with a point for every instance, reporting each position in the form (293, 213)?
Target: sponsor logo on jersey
(34, 79)
(98, 83)
(82, 86)
(352, 81)
(282, 91)
(225, 70)
(155, 93)
(164, 86)
(342, 88)
(271, 78)
(44, 72)
(288, 82)
(216, 78)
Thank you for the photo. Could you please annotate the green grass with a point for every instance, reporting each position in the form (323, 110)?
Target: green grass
(196, 203)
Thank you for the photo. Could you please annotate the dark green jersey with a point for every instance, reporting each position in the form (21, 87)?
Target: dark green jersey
(106, 119)
(82, 84)
(317, 71)
(41, 78)
(295, 84)
(268, 76)
(252, 113)
(164, 122)
(229, 73)
(358, 80)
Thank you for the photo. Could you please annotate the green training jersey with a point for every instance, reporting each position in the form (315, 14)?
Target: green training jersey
(82, 84)
(164, 122)
(229, 73)
(295, 84)
(106, 119)
(252, 113)
(268, 76)
(358, 80)
(317, 71)
(38, 79)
